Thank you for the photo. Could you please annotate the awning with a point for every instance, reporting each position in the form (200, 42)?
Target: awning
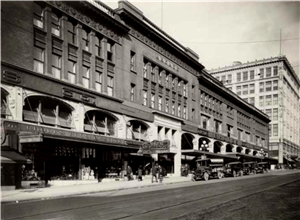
(245, 155)
(288, 159)
(13, 157)
(208, 154)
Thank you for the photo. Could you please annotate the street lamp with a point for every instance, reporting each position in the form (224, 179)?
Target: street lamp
(204, 146)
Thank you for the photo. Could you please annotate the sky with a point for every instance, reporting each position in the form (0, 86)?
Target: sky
(223, 32)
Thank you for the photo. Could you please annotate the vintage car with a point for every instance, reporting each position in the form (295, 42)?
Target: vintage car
(234, 169)
(249, 167)
(263, 167)
(206, 169)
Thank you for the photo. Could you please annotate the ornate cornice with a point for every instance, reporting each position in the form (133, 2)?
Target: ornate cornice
(99, 27)
(160, 49)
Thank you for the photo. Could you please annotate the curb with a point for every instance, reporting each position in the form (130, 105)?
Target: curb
(88, 193)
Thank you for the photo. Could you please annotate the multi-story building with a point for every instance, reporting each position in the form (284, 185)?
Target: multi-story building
(272, 86)
(85, 87)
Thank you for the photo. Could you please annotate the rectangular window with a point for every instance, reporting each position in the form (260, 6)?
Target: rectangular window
(240, 133)
(245, 99)
(252, 100)
(252, 89)
(275, 114)
(238, 90)
(160, 77)
(268, 100)
(275, 70)
(38, 62)
(275, 130)
(132, 61)
(38, 16)
(275, 99)
(173, 108)
(145, 70)
(261, 87)
(56, 66)
(109, 51)
(251, 74)
(184, 90)
(167, 80)
(71, 71)
(98, 81)
(193, 114)
(270, 130)
(98, 46)
(218, 78)
(245, 76)
(71, 32)
(152, 100)
(268, 86)
(132, 92)
(218, 127)
(238, 77)
(229, 78)
(55, 26)
(245, 89)
(269, 113)
(167, 105)
(110, 85)
(179, 111)
(184, 112)
(204, 122)
(275, 85)
(153, 74)
(173, 84)
(145, 97)
(223, 79)
(86, 76)
(261, 73)
(193, 92)
(268, 72)
(261, 100)
(85, 40)
(160, 103)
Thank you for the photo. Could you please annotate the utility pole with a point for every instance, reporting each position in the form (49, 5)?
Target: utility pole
(280, 44)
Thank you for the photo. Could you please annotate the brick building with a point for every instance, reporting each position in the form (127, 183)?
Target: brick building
(84, 87)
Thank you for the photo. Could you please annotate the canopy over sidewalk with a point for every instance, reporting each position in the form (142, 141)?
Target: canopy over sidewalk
(211, 155)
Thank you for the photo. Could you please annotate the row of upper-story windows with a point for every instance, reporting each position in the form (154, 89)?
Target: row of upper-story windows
(72, 67)
(164, 105)
(273, 130)
(209, 101)
(267, 100)
(274, 114)
(247, 89)
(249, 74)
(251, 100)
(155, 73)
(267, 86)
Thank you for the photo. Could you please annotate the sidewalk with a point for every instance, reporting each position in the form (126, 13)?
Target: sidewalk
(23, 195)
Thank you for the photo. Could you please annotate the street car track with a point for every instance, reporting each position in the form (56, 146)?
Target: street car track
(144, 197)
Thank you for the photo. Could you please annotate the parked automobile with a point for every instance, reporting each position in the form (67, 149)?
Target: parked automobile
(249, 167)
(263, 167)
(206, 169)
(234, 169)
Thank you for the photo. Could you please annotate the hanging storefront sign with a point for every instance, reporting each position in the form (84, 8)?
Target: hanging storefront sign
(155, 147)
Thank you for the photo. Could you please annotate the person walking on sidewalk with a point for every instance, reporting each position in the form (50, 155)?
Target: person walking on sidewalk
(160, 173)
(129, 173)
(140, 173)
(154, 172)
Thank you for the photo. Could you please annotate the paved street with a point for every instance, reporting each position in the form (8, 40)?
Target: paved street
(229, 198)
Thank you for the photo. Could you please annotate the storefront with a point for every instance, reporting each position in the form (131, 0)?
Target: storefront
(59, 155)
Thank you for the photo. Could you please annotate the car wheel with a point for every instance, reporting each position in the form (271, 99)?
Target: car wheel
(205, 176)
(234, 173)
(220, 175)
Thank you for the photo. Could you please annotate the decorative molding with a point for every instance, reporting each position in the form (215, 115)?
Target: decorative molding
(11, 77)
(160, 49)
(103, 29)
(78, 96)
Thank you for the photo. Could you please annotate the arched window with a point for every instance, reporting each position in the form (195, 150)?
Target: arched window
(100, 122)
(48, 111)
(217, 147)
(4, 106)
(187, 141)
(138, 130)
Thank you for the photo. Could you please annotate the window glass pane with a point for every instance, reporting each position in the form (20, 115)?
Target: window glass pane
(38, 54)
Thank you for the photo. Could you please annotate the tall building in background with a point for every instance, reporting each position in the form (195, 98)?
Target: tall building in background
(272, 86)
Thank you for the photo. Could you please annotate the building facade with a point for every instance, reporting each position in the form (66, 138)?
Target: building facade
(84, 87)
(272, 86)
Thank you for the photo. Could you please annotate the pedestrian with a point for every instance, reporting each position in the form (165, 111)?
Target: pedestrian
(140, 173)
(160, 173)
(154, 172)
(129, 173)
